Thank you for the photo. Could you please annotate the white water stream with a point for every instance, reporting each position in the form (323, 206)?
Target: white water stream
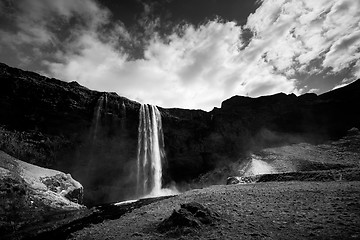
(150, 153)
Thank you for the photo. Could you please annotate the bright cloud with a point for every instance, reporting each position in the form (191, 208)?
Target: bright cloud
(293, 33)
(37, 21)
(197, 67)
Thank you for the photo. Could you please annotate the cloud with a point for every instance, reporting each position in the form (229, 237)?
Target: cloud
(198, 68)
(37, 23)
(294, 33)
(174, 72)
(344, 51)
(195, 66)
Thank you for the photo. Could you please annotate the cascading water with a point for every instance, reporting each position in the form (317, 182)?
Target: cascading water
(94, 134)
(150, 151)
(97, 116)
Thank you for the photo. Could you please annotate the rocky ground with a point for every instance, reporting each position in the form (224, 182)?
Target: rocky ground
(271, 210)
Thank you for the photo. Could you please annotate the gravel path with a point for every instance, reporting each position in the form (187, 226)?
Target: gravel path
(271, 210)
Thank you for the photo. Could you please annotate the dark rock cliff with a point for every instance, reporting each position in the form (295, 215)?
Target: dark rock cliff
(65, 126)
(93, 135)
(199, 141)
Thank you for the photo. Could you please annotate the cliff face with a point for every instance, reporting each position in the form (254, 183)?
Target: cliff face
(93, 135)
(198, 141)
(65, 126)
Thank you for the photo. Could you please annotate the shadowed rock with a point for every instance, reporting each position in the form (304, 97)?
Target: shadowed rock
(189, 218)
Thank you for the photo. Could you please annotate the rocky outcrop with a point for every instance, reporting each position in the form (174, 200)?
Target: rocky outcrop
(28, 193)
(190, 217)
(313, 176)
(93, 134)
(64, 185)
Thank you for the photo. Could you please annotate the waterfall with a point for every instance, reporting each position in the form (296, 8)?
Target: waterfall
(93, 136)
(97, 116)
(150, 151)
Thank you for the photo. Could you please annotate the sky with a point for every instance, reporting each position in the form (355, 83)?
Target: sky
(186, 53)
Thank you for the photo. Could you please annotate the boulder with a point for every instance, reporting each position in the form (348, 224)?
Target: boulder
(64, 185)
(232, 180)
(243, 179)
(28, 193)
(189, 218)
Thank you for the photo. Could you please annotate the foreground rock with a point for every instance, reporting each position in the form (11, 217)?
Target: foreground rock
(29, 194)
(189, 218)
